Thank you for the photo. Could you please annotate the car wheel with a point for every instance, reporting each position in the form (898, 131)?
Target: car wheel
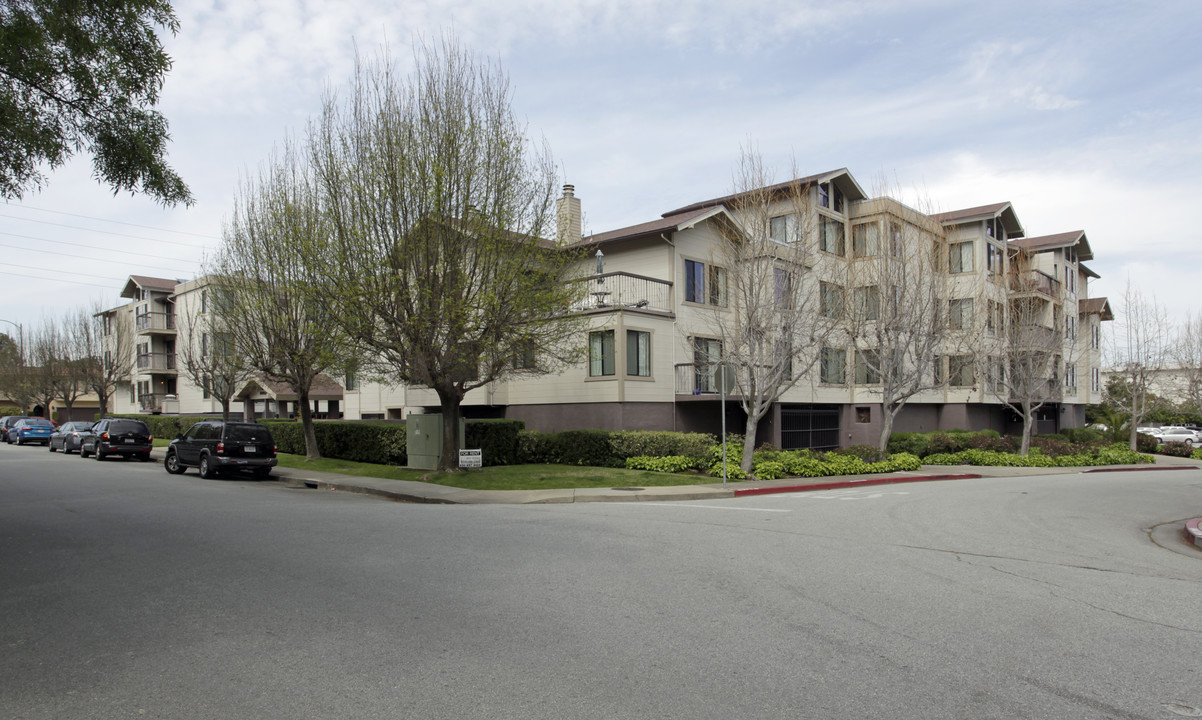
(206, 468)
(51, 446)
(171, 464)
(83, 451)
(98, 452)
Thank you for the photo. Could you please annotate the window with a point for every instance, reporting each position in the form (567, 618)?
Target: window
(1070, 284)
(895, 238)
(133, 398)
(638, 353)
(959, 314)
(108, 360)
(868, 367)
(107, 322)
(995, 320)
(960, 371)
(695, 278)
(783, 228)
(824, 195)
(782, 285)
(351, 382)
(866, 240)
(867, 302)
(204, 346)
(831, 236)
(707, 353)
(830, 297)
(524, 356)
(1096, 382)
(936, 256)
(833, 370)
(1096, 340)
(997, 376)
(601, 353)
(204, 301)
(994, 260)
(1070, 329)
(1070, 377)
(959, 257)
(994, 229)
(205, 386)
(863, 414)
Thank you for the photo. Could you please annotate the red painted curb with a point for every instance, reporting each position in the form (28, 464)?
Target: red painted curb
(1141, 469)
(851, 483)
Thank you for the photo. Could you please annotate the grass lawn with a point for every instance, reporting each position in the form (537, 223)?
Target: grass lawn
(509, 477)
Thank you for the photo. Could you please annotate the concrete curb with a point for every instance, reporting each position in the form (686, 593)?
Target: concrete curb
(837, 484)
(1140, 468)
(1193, 528)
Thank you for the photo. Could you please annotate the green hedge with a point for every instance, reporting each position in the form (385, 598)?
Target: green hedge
(605, 448)
(1116, 454)
(497, 440)
(164, 426)
(372, 441)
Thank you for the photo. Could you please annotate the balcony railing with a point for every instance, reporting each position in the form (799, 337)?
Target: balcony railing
(698, 379)
(156, 362)
(1035, 281)
(623, 290)
(154, 321)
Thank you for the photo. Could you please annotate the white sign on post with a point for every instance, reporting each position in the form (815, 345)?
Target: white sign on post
(471, 458)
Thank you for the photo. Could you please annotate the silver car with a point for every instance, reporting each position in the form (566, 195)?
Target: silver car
(1180, 434)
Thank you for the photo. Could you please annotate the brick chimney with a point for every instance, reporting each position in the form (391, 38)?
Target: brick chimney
(567, 217)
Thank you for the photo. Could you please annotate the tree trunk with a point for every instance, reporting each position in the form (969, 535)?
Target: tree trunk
(225, 409)
(1134, 432)
(306, 413)
(450, 400)
(748, 445)
(1028, 421)
(886, 429)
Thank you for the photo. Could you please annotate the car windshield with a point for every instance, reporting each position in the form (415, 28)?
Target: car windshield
(37, 422)
(128, 426)
(247, 433)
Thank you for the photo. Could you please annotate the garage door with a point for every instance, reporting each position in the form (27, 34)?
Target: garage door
(809, 426)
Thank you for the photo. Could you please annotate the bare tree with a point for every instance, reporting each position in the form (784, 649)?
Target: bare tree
(1186, 351)
(264, 276)
(45, 364)
(1137, 354)
(14, 373)
(74, 369)
(437, 204)
(209, 358)
(895, 316)
(109, 340)
(769, 324)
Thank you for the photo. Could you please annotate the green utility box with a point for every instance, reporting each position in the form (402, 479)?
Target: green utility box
(423, 440)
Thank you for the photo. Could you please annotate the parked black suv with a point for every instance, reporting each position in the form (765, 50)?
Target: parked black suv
(117, 436)
(214, 446)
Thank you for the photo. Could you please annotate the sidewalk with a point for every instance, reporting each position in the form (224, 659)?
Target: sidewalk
(420, 492)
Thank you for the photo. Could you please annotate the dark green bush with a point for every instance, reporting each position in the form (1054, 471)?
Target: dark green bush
(379, 442)
(1176, 449)
(587, 447)
(497, 439)
(538, 448)
(1145, 443)
(907, 442)
(638, 443)
(941, 442)
(1091, 436)
(867, 453)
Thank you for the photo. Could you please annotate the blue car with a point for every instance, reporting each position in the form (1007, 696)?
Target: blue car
(31, 430)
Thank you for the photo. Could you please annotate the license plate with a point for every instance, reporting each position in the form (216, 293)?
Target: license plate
(251, 449)
(130, 441)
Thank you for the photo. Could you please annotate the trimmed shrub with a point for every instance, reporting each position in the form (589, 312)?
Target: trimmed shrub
(632, 443)
(373, 441)
(913, 443)
(668, 464)
(165, 426)
(1146, 443)
(1112, 455)
(867, 453)
(940, 443)
(586, 447)
(1091, 436)
(9, 411)
(1176, 449)
(538, 448)
(497, 439)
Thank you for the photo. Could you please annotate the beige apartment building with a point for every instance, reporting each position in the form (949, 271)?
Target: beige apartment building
(652, 311)
(657, 290)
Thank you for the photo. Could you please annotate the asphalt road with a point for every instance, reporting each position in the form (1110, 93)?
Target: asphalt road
(129, 593)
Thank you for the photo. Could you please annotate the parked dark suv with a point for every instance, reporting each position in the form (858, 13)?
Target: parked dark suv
(117, 436)
(215, 446)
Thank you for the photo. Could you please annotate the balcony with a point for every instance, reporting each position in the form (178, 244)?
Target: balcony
(156, 363)
(155, 322)
(1035, 282)
(625, 291)
(699, 380)
(157, 403)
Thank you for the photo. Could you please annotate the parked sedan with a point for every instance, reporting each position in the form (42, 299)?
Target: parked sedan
(67, 437)
(1180, 434)
(6, 424)
(117, 436)
(31, 430)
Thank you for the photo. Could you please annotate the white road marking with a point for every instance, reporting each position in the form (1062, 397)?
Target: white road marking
(849, 494)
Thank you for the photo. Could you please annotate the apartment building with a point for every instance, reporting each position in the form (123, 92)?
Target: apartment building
(657, 291)
(166, 331)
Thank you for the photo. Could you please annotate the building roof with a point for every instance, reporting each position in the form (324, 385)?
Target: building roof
(1095, 306)
(1044, 243)
(1004, 210)
(147, 283)
(324, 387)
(676, 222)
(841, 177)
(1088, 272)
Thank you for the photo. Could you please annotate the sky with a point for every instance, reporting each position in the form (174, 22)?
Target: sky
(1086, 115)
